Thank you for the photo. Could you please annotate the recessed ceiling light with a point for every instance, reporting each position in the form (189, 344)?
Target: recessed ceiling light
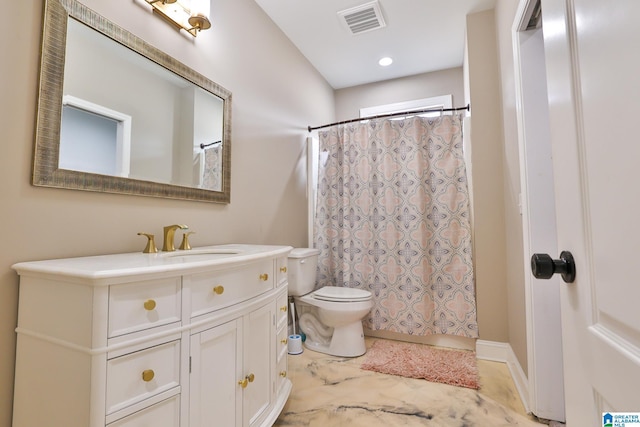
(386, 61)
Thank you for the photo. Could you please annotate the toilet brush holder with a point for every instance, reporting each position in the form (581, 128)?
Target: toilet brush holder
(294, 341)
(295, 344)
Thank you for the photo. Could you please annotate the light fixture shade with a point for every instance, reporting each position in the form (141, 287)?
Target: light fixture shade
(200, 7)
(199, 18)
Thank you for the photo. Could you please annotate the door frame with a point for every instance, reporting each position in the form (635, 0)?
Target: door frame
(537, 207)
(122, 142)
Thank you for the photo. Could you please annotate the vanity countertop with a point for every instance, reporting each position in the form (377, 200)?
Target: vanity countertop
(103, 269)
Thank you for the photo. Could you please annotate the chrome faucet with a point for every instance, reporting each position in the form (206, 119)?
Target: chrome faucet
(169, 234)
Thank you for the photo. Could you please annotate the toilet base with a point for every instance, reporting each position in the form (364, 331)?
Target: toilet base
(346, 341)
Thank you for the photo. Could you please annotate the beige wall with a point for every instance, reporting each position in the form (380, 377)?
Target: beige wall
(276, 94)
(487, 159)
(499, 246)
(445, 82)
(515, 266)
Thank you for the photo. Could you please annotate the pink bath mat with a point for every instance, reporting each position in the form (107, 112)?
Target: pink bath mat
(454, 367)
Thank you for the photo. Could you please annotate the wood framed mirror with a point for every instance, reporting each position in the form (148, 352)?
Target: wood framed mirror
(144, 125)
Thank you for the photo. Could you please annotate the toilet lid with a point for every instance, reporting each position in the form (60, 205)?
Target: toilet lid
(341, 294)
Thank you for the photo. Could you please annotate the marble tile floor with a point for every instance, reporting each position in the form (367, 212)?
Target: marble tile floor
(331, 391)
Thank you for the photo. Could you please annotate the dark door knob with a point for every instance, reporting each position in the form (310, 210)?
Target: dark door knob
(543, 266)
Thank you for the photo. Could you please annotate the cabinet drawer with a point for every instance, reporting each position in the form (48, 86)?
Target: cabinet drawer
(137, 376)
(134, 307)
(282, 372)
(282, 309)
(282, 343)
(162, 414)
(281, 270)
(219, 289)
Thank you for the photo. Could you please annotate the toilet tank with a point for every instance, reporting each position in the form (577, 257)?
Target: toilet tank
(303, 263)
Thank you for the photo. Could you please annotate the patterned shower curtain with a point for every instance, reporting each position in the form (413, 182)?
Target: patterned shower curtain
(393, 218)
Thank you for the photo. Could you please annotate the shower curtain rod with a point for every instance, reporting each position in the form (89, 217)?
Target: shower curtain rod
(203, 146)
(400, 113)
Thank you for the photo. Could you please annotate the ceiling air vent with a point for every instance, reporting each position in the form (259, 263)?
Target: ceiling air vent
(361, 19)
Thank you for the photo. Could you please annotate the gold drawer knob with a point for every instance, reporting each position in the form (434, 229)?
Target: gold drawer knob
(283, 374)
(283, 308)
(283, 269)
(147, 375)
(264, 276)
(218, 289)
(283, 341)
(149, 305)
(246, 380)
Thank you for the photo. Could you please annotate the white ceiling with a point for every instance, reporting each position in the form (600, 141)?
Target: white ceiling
(420, 35)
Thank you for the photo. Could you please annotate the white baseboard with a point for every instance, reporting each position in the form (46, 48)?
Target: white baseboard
(438, 340)
(502, 352)
(492, 350)
(519, 378)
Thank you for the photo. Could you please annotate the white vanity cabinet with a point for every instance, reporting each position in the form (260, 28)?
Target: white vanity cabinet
(169, 340)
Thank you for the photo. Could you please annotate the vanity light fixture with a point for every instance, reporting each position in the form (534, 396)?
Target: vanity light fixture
(189, 15)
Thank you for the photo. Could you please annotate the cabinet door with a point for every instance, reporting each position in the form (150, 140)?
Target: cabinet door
(215, 396)
(258, 360)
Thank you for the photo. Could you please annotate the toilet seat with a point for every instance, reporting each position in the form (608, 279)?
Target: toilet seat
(341, 294)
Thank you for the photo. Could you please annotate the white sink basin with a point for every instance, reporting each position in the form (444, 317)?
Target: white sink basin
(200, 254)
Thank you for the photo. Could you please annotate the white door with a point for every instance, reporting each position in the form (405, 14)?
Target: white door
(592, 51)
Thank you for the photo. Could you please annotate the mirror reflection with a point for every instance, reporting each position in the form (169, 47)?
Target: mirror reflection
(130, 119)
(121, 97)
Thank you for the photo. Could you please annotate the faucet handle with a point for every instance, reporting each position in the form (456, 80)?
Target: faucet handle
(185, 246)
(151, 244)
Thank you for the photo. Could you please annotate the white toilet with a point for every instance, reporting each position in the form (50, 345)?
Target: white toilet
(330, 317)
